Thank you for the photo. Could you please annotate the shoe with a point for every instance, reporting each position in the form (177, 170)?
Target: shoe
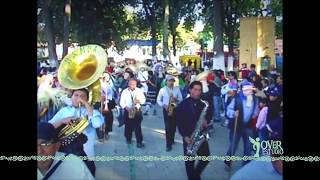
(101, 140)
(107, 136)
(169, 148)
(129, 142)
(227, 163)
(140, 145)
(146, 114)
(225, 124)
(120, 125)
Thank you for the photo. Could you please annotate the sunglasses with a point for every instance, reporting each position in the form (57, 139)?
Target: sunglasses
(45, 144)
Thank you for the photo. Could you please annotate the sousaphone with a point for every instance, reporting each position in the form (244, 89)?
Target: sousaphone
(82, 69)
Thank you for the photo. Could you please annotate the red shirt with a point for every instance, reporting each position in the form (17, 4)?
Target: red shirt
(110, 69)
(244, 72)
(210, 77)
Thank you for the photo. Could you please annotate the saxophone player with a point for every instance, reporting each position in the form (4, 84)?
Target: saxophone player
(131, 100)
(168, 97)
(188, 114)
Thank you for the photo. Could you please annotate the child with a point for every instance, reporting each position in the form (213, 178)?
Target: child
(261, 122)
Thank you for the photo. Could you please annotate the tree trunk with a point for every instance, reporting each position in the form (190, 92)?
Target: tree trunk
(218, 29)
(166, 29)
(154, 39)
(67, 19)
(151, 21)
(49, 33)
(174, 36)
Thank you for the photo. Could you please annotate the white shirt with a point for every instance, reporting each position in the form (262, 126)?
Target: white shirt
(164, 95)
(143, 76)
(126, 100)
(69, 169)
(95, 121)
(106, 90)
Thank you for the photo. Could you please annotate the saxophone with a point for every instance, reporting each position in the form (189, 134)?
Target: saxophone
(199, 135)
(172, 105)
(134, 110)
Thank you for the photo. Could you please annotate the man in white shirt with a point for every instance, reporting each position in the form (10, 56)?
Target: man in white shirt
(131, 100)
(68, 113)
(47, 145)
(143, 77)
(108, 103)
(163, 101)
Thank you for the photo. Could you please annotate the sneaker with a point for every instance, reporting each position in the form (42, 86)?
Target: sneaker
(146, 113)
(140, 145)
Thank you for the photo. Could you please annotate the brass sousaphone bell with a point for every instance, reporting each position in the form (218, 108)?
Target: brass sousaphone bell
(82, 69)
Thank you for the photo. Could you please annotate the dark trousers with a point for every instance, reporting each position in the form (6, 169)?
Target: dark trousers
(108, 122)
(243, 133)
(170, 126)
(120, 116)
(133, 125)
(194, 172)
(77, 150)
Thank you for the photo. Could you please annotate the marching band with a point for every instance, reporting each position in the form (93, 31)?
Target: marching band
(87, 107)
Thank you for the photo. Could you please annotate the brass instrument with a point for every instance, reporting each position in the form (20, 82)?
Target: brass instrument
(199, 135)
(82, 69)
(134, 110)
(172, 105)
(70, 132)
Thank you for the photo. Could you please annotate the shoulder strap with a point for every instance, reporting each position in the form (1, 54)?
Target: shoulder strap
(53, 169)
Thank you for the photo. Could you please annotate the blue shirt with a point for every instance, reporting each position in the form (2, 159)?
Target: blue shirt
(247, 111)
(95, 121)
(257, 170)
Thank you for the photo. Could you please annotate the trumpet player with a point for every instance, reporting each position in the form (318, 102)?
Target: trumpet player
(168, 98)
(131, 100)
(73, 111)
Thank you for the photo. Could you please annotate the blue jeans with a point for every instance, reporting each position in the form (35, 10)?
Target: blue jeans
(216, 108)
(247, 146)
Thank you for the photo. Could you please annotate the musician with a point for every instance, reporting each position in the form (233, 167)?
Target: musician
(187, 114)
(71, 112)
(108, 103)
(131, 100)
(48, 145)
(143, 78)
(165, 94)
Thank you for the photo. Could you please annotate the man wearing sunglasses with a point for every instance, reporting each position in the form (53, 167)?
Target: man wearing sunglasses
(72, 167)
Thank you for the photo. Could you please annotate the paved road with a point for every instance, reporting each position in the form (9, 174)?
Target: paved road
(154, 139)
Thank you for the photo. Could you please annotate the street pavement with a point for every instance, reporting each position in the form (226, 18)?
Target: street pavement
(154, 138)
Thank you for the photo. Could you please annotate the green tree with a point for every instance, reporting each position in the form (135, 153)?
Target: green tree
(152, 12)
(46, 6)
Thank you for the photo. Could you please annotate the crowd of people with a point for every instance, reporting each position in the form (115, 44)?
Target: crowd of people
(250, 107)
